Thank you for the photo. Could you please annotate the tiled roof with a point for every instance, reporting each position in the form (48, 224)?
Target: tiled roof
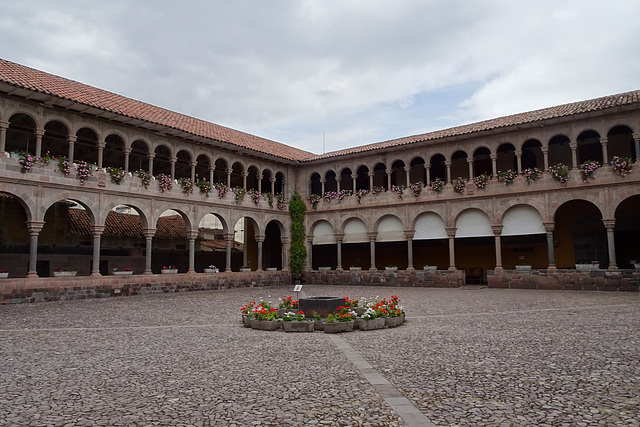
(564, 110)
(28, 78)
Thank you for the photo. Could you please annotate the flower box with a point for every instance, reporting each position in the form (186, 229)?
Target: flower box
(211, 270)
(246, 321)
(636, 266)
(297, 326)
(123, 273)
(265, 325)
(64, 273)
(430, 267)
(337, 327)
(4, 275)
(169, 270)
(324, 268)
(272, 269)
(591, 266)
(372, 324)
(245, 270)
(355, 268)
(523, 268)
(391, 268)
(393, 322)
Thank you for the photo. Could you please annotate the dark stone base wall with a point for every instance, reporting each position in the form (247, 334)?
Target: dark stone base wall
(408, 278)
(596, 280)
(22, 290)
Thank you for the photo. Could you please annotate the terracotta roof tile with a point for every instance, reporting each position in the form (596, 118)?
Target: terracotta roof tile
(28, 78)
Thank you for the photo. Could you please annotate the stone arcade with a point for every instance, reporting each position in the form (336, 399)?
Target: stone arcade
(438, 209)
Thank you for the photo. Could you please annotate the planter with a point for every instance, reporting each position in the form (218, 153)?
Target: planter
(391, 268)
(523, 268)
(64, 273)
(4, 275)
(636, 266)
(245, 270)
(169, 271)
(588, 266)
(336, 327)
(123, 273)
(246, 321)
(355, 268)
(430, 267)
(272, 269)
(296, 326)
(360, 310)
(372, 324)
(211, 270)
(324, 268)
(318, 325)
(357, 324)
(265, 325)
(392, 322)
(282, 311)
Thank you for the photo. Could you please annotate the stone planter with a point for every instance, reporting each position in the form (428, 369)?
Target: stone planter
(355, 268)
(169, 271)
(523, 268)
(430, 267)
(350, 324)
(392, 322)
(336, 327)
(123, 273)
(588, 266)
(636, 266)
(324, 268)
(272, 269)
(211, 270)
(64, 273)
(296, 326)
(318, 325)
(357, 324)
(4, 275)
(360, 310)
(265, 325)
(391, 268)
(372, 324)
(246, 321)
(245, 270)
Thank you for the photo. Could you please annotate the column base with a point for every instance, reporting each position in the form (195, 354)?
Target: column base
(32, 275)
(95, 273)
(452, 268)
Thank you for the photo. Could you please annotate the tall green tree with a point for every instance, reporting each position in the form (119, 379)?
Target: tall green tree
(297, 209)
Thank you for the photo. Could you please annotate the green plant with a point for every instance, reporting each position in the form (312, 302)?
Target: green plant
(437, 185)
(270, 199)
(330, 318)
(145, 177)
(560, 173)
(205, 186)
(459, 185)
(531, 174)
(64, 165)
(187, 185)
(314, 199)
(27, 161)
(117, 174)
(239, 192)
(622, 165)
(297, 210)
(481, 181)
(316, 316)
(588, 170)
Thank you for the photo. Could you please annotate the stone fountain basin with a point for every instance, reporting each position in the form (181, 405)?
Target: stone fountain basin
(321, 305)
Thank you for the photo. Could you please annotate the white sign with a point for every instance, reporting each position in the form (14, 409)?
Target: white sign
(298, 288)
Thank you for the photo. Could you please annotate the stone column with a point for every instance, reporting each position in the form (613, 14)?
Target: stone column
(338, 179)
(389, 172)
(549, 227)
(470, 163)
(545, 156)
(574, 154)
(497, 231)
(636, 143)
(371, 175)
(409, 234)
(151, 157)
(34, 227)
(39, 134)
(229, 177)
(3, 135)
(127, 152)
(148, 235)
(193, 170)
(192, 236)
(71, 140)
(273, 185)
(428, 167)
(284, 188)
(322, 182)
(212, 168)
(259, 240)
(339, 238)
(309, 188)
(284, 241)
(354, 180)
(451, 233)
(519, 161)
(260, 179)
(228, 237)
(309, 253)
(407, 172)
(605, 151)
(173, 167)
(609, 224)
(245, 175)
(372, 243)
(97, 231)
(447, 163)
(101, 146)
(494, 164)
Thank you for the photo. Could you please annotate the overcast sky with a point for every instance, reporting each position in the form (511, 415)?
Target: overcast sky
(356, 71)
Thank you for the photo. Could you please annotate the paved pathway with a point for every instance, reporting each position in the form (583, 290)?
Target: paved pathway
(464, 357)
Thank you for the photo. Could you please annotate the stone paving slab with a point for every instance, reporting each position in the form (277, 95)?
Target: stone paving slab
(474, 357)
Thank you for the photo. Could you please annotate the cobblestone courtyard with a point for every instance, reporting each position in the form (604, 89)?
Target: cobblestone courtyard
(464, 357)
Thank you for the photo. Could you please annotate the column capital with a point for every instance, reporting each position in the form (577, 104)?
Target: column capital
(229, 236)
(192, 235)
(259, 238)
(371, 174)
(127, 150)
(35, 227)
(97, 230)
(39, 132)
(173, 159)
(544, 149)
(151, 155)
(409, 233)
(339, 237)
(609, 223)
(518, 153)
(493, 156)
(451, 231)
(469, 159)
(407, 168)
(372, 235)
(71, 139)
(193, 164)
(573, 145)
(604, 140)
(549, 226)
(497, 229)
(446, 163)
(149, 232)
(4, 125)
(284, 240)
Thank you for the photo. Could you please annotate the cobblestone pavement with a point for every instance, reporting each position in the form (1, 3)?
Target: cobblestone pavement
(464, 357)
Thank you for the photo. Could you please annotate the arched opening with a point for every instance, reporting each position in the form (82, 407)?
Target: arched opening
(203, 168)
(459, 165)
(391, 243)
(253, 181)
(113, 153)
(14, 236)
(589, 147)
(272, 246)
(236, 175)
(579, 235)
(330, 183)
(245, 231)
(183, 165)
(474, 245)
(316, 185)
(430, 242)
(559, 151)
(170, 244)
(21, 134)
(437, 168)
(279, 186)
(523, 238)
(346, 182)
(482, 162)
(162, 161)
(139, 157)
(627, 232)
(380, 176)
(266, 181)
(122, 244)
(398, 174)
(620, 143)
(532, 156)
(86, 146)
(418, 171)
(55, 140)
(506, 158)
(324, 247)
(356, 251)
(220, 172)
(211, 245)
(362, 180)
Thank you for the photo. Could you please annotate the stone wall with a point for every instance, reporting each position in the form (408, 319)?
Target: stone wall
(588, 280)
(408, 278)
(13, 291)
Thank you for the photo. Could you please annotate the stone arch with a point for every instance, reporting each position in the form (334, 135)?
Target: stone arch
(620, 143)
(559, 150)
(362, 178)
(346, 182)
(437, 167)
(580, 234)
(330, 182)
(398, 175)
(380, 176)
(272, 245)
(113, 153)
(430, 241)
(162, 160)
(627, 232)
(14, 234)
(280, 182)
(532, 156)
(589, 147)
(203, 167)
(506, 158)
(237, 169)
(459, 165)
(21, 133)
(139, 156)
(267, 174)
(220, 171)
(523, 237)
(253, 178)
(315, 184)
(482, 164)
(55, 140)
(183, 164)
(418, 171)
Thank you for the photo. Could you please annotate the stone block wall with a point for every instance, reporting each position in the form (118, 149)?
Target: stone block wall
(408, 278)
(588, 280)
